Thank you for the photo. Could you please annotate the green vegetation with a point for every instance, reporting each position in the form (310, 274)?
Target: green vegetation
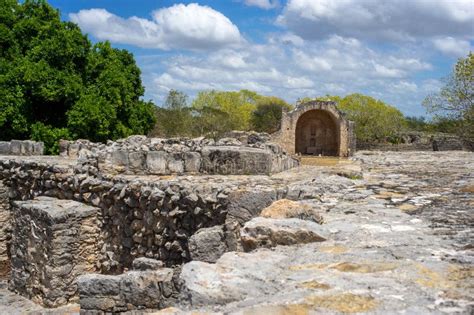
(213, 113)
(55, 84)
(455, 102)
(375, 121)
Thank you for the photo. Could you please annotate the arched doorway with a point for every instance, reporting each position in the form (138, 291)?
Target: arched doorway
(316, 134)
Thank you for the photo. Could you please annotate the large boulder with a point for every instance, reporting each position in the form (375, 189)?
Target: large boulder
(207, 244)
(266, 232)
(284, 209)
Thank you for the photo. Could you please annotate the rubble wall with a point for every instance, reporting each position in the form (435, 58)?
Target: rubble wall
(4, 231)
(250, 154)
(140, 216)
(419, 141)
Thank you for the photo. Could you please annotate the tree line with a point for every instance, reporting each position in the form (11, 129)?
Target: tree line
(55, 84)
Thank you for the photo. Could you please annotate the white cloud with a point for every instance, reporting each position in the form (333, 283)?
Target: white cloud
(452, 46)
(371, 19)
(181, 26)
(263, 4)
(337, 65)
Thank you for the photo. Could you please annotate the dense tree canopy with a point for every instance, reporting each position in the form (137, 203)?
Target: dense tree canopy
(54, 83)
(455, 101)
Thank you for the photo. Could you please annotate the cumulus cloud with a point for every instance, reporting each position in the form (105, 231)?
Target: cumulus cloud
(337, 65)
(388, 20)
(191, 26)
(452, 46)
(263, 4)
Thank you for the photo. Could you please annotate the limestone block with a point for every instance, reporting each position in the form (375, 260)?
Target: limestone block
(266, 232)
(143, 263)
(192, 162)
(73, 150)
(4, 147)
(15, 147)
(119, 160)
(53, 242)
(156, 162)
(129, 291)
(207, 244)
(175, 163)
(236, 160)
(136, 162)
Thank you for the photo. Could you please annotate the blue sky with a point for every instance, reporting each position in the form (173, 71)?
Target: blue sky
(397, 51)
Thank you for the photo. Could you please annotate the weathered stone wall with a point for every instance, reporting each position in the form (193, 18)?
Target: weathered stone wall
(286, 136)
(19, 147)
(252, 154)
(4, 231)
(419, 141)
(149, 217)
(53, 242)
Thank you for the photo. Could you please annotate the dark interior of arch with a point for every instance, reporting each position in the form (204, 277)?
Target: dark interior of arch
(316, 134)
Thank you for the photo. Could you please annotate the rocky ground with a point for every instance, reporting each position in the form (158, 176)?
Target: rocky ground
(398, 230)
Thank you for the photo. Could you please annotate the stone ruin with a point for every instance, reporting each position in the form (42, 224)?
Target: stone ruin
(316, 128)
(108, 226)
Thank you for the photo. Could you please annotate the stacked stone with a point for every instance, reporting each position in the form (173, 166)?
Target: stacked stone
(53, 242)
(419, 141)
(250, 154)
(148, 286)
(4, 230)
(138, 217)
(18, 147)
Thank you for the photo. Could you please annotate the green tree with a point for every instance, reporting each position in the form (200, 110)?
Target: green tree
(455, 100)
(174, 118)
(267, 115)
(49, 70)
(237, 105)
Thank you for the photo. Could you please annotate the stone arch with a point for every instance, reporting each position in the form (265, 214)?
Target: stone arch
(335, 136)
(316, 133)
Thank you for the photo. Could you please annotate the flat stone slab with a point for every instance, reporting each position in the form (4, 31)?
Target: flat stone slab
(56, 210)
(267, 232)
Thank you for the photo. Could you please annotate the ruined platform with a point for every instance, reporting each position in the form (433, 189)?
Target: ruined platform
(389, 232)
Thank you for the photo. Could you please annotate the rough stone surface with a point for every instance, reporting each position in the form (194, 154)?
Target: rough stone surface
(5, 227)
(21, 147)
(420, 141)
(154, 156)
(284, 208)
(400, 242)
(53, 242)
(266, 232)
(400, 233)
(138, 289)
(144, 263)
(208, 244)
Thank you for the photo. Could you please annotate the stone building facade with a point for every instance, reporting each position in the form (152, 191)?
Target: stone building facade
(316, 128)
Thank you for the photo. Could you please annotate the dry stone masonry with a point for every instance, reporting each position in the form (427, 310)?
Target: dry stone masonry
(249, 155)
(53, 242)
(97, 227)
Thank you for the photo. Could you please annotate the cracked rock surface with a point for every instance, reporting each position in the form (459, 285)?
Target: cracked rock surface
(399, 230)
